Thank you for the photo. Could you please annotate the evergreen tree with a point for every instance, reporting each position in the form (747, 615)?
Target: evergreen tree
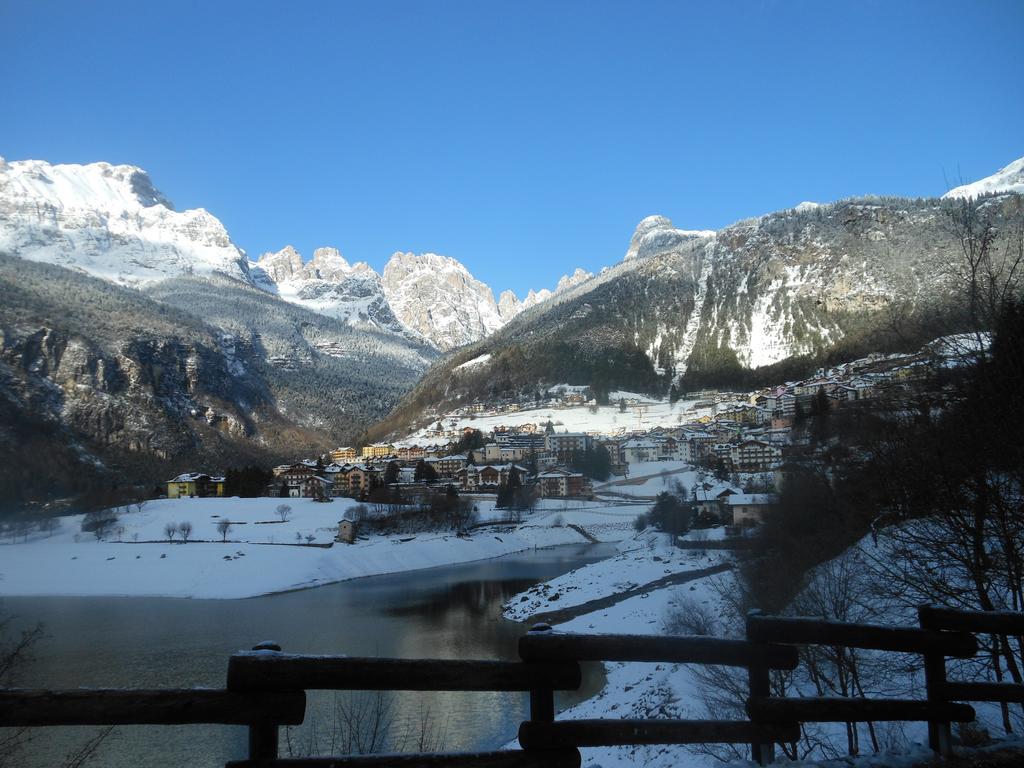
(425, 472)
(391, 473)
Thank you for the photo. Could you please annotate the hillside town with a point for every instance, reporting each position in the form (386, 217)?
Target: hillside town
(744, 442)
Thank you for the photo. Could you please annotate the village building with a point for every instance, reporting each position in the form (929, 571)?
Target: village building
(488, 477)
(363, 479)
(565, 444)
(316, 487)
(560, 483)
(378, 451)
(639, 450)
(447, 466)
(754, 456)
(195, 484)
(346, 532)
(410, 454)
(343, 455)
(749, 508)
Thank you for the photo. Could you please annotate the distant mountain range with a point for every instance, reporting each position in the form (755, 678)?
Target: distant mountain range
(138, 340)
(111, 222)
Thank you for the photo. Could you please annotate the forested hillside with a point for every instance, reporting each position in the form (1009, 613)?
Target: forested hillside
(104, 386)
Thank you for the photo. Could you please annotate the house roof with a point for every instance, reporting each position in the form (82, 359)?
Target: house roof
(750, 499)
(191, 477)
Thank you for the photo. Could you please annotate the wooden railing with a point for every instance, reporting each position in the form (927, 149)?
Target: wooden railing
(266, 689)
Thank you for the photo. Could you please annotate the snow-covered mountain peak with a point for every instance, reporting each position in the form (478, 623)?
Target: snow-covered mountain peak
(438, 297)
(110, 221)
(1007, 179)
(656, 234)
(328, 264)
(281, 266)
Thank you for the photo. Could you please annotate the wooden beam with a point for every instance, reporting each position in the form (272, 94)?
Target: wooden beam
(608, 733)
(766, 709)
(808, 631)
(264, 671)
(991, 622)
(1008, 692)
(559, 646)
(512, 758)
(31, 708)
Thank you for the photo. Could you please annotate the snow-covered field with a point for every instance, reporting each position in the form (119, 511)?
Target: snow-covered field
(649, 478)
(646, 558)
(606, 420)
(649, 690)
(262, 554)
(634, 690)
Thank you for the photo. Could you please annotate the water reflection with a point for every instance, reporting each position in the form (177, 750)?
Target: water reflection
(159, 642)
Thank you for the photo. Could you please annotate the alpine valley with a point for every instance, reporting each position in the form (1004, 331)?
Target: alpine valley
(137, 338)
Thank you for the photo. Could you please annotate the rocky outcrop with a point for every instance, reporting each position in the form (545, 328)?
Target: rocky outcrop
(656, 234)
(437, 297)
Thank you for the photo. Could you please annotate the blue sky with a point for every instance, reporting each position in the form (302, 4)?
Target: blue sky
(525, 138)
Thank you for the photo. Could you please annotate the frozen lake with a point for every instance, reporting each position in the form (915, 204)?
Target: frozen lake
(450, 612)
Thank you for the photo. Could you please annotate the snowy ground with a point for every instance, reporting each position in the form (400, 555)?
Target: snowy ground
(645, 690)
(634, 690)
(646, 558)
(606, 420)
(264, 555)
(647, 479)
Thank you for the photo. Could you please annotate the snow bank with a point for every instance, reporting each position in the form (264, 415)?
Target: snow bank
(262, 554)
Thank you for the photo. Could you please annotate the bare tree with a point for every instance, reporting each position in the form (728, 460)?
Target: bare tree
(360, 723)
(224, 528)
(170, 530)
(185, 529)
(99, 522)
(15, 650)
(283, 512)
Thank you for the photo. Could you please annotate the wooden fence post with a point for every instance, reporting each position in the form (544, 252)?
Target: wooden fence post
(940, 737)
(542, 700)
(759, 684)
(263, 736)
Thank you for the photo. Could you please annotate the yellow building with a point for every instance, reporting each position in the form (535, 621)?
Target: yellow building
(195, 484)
(343, 455)
(378, 451)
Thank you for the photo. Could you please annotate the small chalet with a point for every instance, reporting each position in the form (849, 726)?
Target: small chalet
(749, 508)
(346, 532)
(195, 484)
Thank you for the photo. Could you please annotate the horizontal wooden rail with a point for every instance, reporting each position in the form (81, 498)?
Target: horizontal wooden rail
(1003, 692)
(843, 710)
(558, 646)
(265, 671)
(806, 631)
(611, 733)
(994, 622)
(511, 758)
(22, 708)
